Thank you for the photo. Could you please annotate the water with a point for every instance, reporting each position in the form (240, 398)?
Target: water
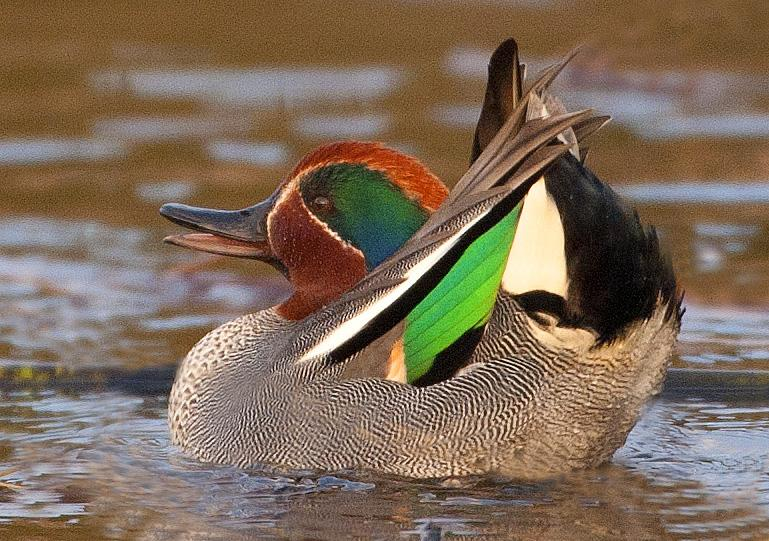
(108, 112)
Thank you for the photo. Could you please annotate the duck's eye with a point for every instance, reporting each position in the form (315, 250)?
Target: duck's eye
(321, 203)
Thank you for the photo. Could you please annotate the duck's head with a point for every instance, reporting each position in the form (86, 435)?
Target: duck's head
(344, 209)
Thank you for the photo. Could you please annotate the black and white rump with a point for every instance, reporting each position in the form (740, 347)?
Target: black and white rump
(598, 267)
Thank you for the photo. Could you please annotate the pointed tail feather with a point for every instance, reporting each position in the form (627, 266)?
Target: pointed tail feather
(585, 129)
(503, 99)
(502, 156)
(503, 92)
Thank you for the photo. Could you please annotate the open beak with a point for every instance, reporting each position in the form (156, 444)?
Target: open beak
(238, 233)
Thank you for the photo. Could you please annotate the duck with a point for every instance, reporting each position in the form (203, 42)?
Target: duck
(514, 325)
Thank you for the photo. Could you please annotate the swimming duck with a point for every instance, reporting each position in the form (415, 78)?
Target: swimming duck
(517, 324)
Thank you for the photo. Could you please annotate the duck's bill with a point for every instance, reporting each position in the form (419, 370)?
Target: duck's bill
(214, 244)
(237, 233)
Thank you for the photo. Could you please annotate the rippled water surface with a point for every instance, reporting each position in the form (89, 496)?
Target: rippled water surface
(107, 111)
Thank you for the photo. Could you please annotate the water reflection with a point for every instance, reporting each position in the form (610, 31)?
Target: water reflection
(366, 126)
(258, 154)
(709, 439)
(669, 478)
(41, 151)
(725, 336)
(659, 104)
(265, 87)
(728, 193)
(85, 293)
(720, 125)
(158, 129)
(160, 192)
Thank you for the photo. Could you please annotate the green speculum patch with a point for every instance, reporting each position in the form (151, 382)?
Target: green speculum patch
(368, 210)
(462, 300)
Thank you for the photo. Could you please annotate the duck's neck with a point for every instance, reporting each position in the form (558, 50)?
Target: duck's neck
(323, 277)
(311, 297)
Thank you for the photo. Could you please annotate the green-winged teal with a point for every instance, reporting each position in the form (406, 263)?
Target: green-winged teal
(517, 324)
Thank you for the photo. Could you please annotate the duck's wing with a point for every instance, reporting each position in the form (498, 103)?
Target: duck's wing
(442, 283)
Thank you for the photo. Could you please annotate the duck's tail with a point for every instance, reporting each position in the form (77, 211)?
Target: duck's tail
(505, 91)
(589, 252)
